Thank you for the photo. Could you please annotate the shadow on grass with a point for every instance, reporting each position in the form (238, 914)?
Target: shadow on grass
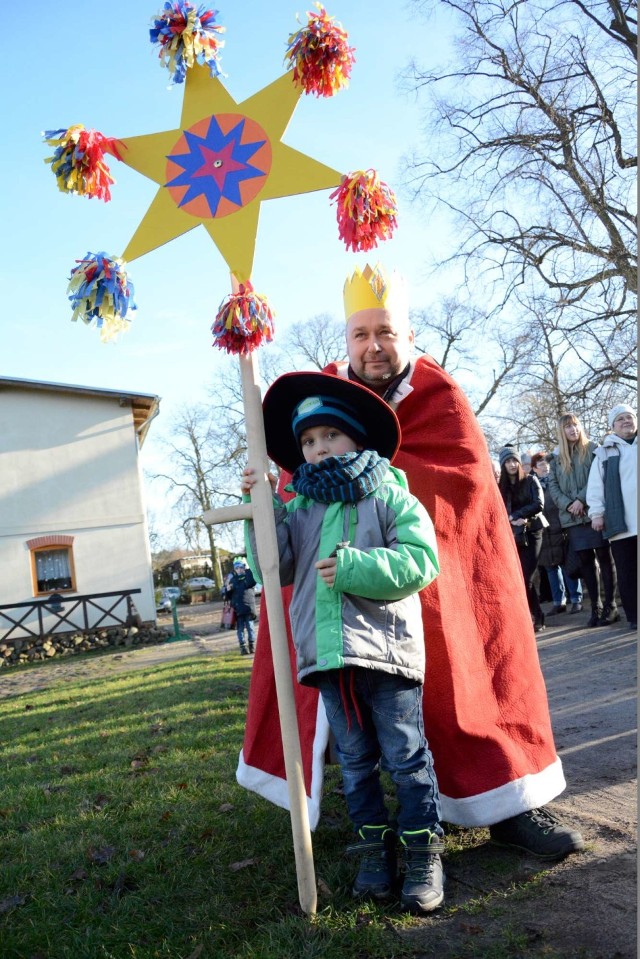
(124, 835)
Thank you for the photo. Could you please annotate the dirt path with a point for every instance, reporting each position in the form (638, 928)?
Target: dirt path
(582, 908)
(201, 624)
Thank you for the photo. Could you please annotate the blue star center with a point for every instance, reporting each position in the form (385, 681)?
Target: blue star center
(217, 165)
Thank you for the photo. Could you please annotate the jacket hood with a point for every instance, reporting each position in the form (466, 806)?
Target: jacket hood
(612, 439)
(399, 477)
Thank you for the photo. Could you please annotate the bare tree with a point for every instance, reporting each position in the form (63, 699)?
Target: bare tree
(617, 18)
(535, 135)
(316, 342)
(559, 377)
(462, 340)
(448, 333)
(160, 542)
(204, 453)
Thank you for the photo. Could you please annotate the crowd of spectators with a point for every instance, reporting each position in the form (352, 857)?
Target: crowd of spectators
(573, 512)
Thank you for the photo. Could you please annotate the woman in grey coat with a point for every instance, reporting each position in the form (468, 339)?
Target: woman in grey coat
(568, 479)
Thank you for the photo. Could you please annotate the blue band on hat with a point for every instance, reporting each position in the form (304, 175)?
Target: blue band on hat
(321, 410)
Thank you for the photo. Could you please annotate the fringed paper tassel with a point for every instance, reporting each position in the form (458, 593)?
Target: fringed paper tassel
(243, 322)
(319, 55)
(366, 210)
(78, 161)
(102, 294)
(187, 35)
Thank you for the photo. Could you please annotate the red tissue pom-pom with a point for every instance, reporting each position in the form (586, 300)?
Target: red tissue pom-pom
(78, 161)
(243, 322)
(320, 56)
(366, 210)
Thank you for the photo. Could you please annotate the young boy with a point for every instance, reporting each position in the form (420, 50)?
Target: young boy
(242, 599)
(357, 548)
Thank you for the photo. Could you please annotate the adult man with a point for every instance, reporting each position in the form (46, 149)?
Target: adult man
(486, 713)
(612, 495)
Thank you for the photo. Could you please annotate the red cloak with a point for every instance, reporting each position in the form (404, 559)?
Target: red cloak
(485, 704)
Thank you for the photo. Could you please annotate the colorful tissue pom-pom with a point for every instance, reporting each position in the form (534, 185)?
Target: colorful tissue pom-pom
(78, 161)
(187, 35)
(102, 294)
(366, 210)
(243, 322)
(319, 55)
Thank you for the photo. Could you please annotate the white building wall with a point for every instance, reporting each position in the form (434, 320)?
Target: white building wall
(69, 464)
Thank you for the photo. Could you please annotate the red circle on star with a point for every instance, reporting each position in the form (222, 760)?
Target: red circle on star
(219, 165)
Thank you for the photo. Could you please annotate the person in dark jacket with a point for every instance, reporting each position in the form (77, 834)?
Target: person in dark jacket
(524, 502)
(242, 599)
(552, 552)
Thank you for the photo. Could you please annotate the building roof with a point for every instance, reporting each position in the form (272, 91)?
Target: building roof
(144, 406)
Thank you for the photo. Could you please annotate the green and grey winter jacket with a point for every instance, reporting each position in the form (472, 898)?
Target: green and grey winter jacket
(371, 617)
(565, 488)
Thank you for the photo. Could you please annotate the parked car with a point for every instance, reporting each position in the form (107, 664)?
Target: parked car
(200, 582)
(166, 599)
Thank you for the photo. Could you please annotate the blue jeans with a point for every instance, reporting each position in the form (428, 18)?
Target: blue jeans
(561, 584)
(390, 732)
(244, 621)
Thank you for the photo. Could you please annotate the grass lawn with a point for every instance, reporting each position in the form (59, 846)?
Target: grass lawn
(125, 836)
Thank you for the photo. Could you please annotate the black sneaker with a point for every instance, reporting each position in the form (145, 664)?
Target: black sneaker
(557, 610)
(377, 848)
(538, 833)
(422, 889)
(576, 608)
(609, 616)
(594, 619)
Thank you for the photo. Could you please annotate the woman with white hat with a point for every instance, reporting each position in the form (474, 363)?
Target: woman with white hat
(612, 493)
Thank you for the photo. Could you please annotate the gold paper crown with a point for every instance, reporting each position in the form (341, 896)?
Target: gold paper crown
(373, 289)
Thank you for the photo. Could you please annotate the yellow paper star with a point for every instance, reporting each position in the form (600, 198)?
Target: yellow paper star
(218, 167)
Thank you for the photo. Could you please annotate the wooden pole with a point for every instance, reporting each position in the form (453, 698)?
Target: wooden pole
(261, 510)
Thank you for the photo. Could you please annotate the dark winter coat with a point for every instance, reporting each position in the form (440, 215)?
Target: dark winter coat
(552, 552)
(525, 501)
(243, 597)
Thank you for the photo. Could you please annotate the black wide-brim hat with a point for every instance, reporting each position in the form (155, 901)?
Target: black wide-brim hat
(378, 419)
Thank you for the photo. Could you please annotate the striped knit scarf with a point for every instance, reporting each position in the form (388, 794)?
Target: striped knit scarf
(341, 479)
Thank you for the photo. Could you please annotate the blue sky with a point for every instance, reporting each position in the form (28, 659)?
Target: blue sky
(96, 66)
